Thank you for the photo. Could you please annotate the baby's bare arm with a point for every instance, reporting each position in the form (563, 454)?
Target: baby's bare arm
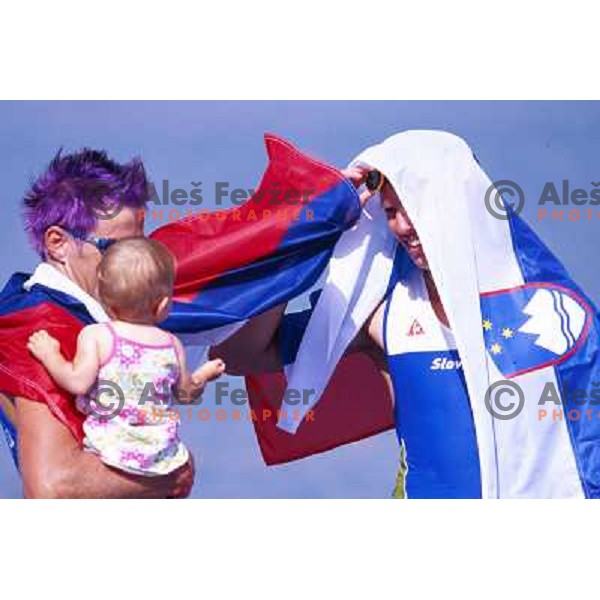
(191, 385)
(78, 376)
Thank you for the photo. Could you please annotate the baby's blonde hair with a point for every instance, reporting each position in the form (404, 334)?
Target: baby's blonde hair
(134, 275)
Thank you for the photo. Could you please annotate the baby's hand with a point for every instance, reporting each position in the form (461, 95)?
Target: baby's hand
(209, 371)
(42, 345)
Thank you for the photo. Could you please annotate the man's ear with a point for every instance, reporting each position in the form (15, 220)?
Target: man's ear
(56, 242)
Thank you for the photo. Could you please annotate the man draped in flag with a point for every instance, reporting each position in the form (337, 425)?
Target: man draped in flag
(230, 267)
(482, 337)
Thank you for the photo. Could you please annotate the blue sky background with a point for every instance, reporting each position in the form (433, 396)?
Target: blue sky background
(527, 142)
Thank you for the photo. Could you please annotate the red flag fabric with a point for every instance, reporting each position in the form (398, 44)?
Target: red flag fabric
(355, 405)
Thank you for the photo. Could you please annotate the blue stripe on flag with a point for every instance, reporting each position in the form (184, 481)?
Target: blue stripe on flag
(580, 370)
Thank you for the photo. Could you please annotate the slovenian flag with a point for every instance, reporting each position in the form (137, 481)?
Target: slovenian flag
(237, 263)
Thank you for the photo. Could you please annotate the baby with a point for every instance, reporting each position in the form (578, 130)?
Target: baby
(134, 360)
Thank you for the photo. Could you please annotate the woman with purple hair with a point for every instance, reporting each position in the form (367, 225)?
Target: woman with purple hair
(73, 212)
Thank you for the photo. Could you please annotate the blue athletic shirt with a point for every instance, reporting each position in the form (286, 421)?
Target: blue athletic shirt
(433, 414)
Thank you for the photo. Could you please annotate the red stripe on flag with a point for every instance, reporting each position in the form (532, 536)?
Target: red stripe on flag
(193, 240)
(355, 405)
(21, 375)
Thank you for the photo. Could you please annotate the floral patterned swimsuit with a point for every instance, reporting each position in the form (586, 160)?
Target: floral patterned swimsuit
(129, 423)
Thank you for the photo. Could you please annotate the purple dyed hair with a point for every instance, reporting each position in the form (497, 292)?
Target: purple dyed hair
(61, 195)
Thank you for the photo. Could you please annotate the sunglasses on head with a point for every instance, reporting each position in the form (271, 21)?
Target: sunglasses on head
(374, 181)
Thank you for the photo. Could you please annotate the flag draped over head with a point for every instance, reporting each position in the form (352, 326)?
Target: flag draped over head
(231, 265)
(514, 311)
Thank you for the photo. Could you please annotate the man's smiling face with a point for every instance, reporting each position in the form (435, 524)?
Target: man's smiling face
(402, 227)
